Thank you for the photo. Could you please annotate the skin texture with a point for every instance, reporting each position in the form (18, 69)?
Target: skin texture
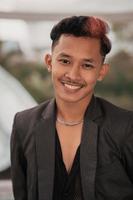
(75, 65)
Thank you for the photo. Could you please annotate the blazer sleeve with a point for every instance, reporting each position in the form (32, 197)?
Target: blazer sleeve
(18, 165)
(128, 150)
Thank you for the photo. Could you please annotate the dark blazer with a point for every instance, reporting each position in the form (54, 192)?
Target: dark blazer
(106, 152)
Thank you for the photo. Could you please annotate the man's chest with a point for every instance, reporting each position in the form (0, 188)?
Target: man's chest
(69, 138)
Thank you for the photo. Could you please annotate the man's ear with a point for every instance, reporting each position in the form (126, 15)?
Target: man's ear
(48, 61)
(103, 72)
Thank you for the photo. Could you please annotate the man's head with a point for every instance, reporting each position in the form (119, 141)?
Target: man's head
(83, 26)
(79, 46)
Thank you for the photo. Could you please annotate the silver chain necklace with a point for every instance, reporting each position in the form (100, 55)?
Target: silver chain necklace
(69, 123)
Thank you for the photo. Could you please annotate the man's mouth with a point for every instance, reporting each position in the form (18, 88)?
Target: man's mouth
(72, 85)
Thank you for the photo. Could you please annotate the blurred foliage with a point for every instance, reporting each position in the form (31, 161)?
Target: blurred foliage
(123, 30)
(120, 77)
(118, 85)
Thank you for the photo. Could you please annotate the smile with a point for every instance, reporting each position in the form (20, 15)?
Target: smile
(72, 87)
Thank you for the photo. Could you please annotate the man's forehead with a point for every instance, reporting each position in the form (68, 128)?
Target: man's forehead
(67, 40)
(66, 37)
(69, 43)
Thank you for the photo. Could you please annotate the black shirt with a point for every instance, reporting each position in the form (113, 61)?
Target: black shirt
(67, 186)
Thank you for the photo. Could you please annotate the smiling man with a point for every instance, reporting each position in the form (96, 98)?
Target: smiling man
(75, 146)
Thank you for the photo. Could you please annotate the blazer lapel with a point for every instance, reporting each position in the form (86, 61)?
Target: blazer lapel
(88, 150)
(45, 149)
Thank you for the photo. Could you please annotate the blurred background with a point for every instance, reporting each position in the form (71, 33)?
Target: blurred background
(24, 39)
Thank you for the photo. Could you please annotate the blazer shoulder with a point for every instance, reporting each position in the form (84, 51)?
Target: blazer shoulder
(30, 117)
(114, 112)
(118, 122)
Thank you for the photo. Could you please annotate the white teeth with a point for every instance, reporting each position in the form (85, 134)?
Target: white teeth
(73, 87)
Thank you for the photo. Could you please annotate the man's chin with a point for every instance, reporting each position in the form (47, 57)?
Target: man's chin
(72, 98)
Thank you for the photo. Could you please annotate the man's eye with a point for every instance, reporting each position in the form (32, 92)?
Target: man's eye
(64, 61)
(87, 66)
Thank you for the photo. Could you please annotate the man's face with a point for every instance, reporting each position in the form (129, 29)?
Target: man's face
(75, 65)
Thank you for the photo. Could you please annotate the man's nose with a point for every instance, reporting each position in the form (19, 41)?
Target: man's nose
(74, 72)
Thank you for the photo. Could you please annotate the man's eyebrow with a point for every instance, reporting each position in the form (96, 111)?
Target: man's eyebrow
(64, 55)
(90, 60)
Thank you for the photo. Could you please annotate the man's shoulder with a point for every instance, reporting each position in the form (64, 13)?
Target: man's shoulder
(117, 122)
(114, 112)
(31, 115)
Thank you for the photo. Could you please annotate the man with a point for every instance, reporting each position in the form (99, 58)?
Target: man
(76, 146)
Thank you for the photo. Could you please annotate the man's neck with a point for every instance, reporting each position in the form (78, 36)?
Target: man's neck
(70, 111)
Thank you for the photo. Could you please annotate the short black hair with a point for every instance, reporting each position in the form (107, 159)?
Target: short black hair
(83, 26)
